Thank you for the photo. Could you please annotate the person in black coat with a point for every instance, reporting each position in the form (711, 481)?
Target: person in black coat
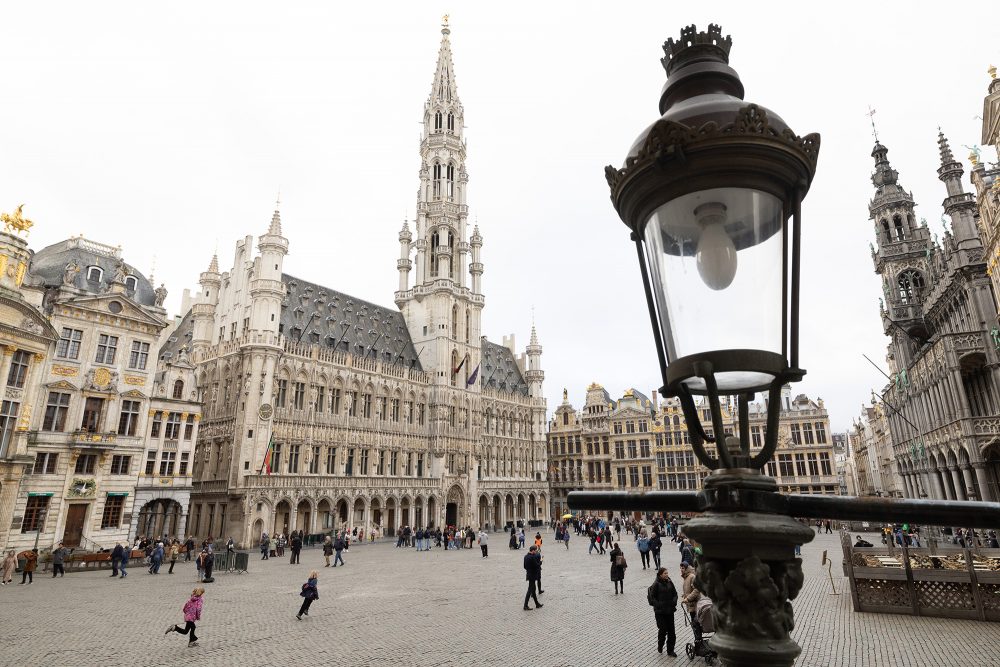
(296, 548)
(618, 569)
(533, 573)
(662, 595)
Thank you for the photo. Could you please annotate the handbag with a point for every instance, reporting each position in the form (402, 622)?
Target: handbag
(620, 561)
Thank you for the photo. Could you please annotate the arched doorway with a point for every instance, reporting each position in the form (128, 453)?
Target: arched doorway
(484, 510)
(521, 513)
(257, 531)
(431, 511)
(497, 512)
(390, 517)
(303, 516)
(532, 506)
(158, 517)
(342, 509)
(404, 513)
(281, 514)
(376, 513)
(509, 509)
(324, 512)
(452, 513)
(359, 512)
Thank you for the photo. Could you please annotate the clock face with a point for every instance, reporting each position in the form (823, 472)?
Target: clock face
(265, 411)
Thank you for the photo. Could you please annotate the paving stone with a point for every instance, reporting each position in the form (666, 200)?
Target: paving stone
(433, 609)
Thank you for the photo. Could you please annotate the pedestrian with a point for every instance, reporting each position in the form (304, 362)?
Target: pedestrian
(309, 593)
(687, 551)
(484, 538)
(207, 566)
(156, 558)
(618, 565)
(30, 561)
(662, 596)
(9, 565)
(119, 560)
(327, 550)
(188, 548)
(296, 544)
(642, 544)
(58, 560)
(566, 539)
(201, 562)
(230, 546)
(690, 594)
(175, 549)
(533, 573)
(513, 539)
(520, 538)
(192, 613)
(538, 541)
(263, 546)
(338, 547)
(655, 544)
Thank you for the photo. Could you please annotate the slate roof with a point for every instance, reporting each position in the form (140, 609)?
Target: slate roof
(319, 315)
(180, 336)
(47, 266)
(500, 371)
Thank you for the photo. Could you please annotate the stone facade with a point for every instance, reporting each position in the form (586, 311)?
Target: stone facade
(324, 411)
(642, 444)
(87, 401)
(939, 310)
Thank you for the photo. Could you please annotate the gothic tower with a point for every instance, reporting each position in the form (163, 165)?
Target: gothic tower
(441, 309)
(902, 259)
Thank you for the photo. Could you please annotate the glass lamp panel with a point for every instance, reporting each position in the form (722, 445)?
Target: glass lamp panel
(715, 262)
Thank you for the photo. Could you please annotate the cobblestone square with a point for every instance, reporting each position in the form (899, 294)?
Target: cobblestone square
(434, 609)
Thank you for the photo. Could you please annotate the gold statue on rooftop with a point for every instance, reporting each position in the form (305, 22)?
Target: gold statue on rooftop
(15, 222)
(992, 71)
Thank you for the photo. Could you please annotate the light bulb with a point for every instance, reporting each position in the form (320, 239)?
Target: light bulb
(716, 254)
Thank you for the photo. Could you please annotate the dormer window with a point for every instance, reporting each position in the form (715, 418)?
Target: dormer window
(95, 274)
(131, 283)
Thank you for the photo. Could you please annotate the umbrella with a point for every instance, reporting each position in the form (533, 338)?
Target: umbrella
(567, 516)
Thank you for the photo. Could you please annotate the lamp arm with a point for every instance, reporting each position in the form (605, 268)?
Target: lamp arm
(743, 406)
(771, 432)
(697, 433)
(704, 369)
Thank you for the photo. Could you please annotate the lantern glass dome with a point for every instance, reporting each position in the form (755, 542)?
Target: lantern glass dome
(716, 264)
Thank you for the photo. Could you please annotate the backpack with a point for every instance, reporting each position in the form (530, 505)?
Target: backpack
(620, 561)
(643, 544)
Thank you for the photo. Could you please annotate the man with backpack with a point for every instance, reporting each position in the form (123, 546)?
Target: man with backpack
(662, 597)
(642, 544)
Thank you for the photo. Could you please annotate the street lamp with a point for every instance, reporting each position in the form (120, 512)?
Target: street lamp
(41, 524)
(712, 192)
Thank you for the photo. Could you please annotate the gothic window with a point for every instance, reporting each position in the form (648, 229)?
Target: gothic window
(897, 223)
(885, 231)
(451, 181)
(454, 322)
(437, 121)
(466, 325)
(911, 286)
(436, 187)
(451, 122)
(178, 389)
(454, 368)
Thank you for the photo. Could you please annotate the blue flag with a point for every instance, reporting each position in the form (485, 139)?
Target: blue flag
(472, 378)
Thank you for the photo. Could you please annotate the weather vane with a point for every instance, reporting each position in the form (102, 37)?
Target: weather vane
(444, 21)
(871, 117)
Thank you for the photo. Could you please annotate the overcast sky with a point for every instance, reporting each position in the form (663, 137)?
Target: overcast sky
(170, 128)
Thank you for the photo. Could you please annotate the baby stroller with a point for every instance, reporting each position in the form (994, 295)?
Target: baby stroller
(703, 626)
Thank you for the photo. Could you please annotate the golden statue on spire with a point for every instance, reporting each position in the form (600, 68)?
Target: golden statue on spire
(16, 222)
(444, 21)
(992, 71)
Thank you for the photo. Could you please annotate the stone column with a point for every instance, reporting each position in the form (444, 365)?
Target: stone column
(956, 478)
(936, 486)
(983, 476)
(970, 483)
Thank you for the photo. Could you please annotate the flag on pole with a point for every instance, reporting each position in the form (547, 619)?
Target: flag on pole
(472, 378)
(267, 456)
(456, 370)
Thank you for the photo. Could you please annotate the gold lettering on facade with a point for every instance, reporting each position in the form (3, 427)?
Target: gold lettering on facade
(65, 371)
(135, 380)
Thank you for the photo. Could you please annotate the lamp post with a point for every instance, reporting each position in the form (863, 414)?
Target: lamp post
(41, 525)
(712, 193)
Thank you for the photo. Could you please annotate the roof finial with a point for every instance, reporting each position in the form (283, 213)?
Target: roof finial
(444, 25)
(871, 117)
(944, 148)
(992, 71)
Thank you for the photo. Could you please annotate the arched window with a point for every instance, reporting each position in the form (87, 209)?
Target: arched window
(911, 286)
(466, 325)
(451, 122)
(437, 121)
(437, 181)
(454, 368)
(886, 232)
(95, 274)
(897, 223)
(451, 181)
(131, 282)
(178, 389)
(454, 322)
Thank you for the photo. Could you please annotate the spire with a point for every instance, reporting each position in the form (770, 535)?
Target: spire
(884, 173)
(534, 336)
(444, 90)
(213, 266)
(275, 228)
(945, 149)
